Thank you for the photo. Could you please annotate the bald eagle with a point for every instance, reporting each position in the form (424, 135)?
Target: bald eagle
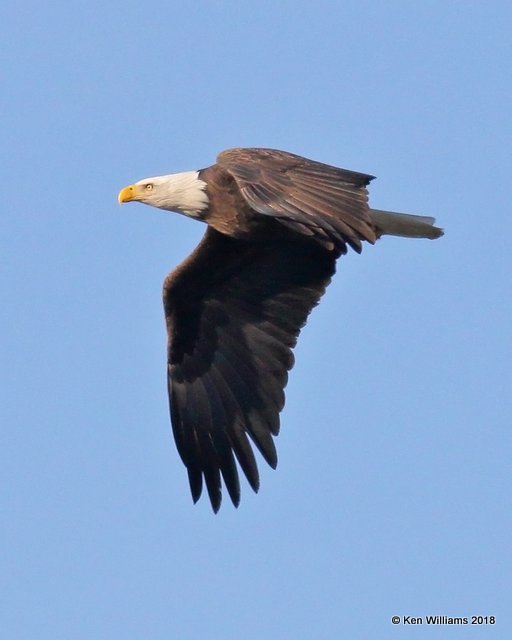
(276, 224)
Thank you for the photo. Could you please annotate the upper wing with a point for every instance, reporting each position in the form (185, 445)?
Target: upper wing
(234, 310)
(310, 197)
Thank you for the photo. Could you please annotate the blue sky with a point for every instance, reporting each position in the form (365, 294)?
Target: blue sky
(392, 494)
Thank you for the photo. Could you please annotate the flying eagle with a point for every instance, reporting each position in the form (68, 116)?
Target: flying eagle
(277, 223)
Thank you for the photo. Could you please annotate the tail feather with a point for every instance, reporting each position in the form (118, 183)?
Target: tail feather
(405, 225)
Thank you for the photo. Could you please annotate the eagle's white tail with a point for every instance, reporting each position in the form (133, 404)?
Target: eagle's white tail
(391, 223)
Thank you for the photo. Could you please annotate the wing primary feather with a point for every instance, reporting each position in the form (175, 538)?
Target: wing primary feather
(236, 430)
(200, 416)
(219, 428)
(259, 422)
(195, 480)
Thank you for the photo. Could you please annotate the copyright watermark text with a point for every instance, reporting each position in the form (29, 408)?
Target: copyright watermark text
(443, 620)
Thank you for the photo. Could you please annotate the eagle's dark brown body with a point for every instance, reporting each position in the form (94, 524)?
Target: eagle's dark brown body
(234, 308)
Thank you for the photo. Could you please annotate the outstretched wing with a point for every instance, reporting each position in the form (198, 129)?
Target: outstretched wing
(310, 197)
(234, 310)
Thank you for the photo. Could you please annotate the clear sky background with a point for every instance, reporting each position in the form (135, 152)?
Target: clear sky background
(392, 494)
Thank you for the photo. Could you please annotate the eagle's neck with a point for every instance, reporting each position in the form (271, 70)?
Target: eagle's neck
(181, 192)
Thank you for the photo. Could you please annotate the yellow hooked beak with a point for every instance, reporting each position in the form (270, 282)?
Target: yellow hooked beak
(127, 194)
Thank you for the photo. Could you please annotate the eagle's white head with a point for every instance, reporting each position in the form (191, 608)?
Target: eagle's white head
(180, 192)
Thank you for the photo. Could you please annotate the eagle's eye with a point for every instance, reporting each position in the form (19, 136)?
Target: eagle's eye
(149, 187)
